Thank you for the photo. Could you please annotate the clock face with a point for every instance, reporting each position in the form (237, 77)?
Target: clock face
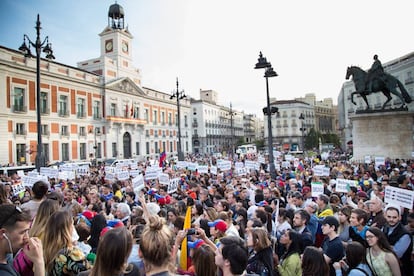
(125, 46)
(109, 45)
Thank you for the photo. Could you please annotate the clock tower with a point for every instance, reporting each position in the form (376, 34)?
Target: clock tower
(116, 55)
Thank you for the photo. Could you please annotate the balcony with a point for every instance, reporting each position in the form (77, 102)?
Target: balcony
(97, 116)
(20, 132)
(195, 136)
(19, 109)
(82, 134)
(64, 134)
(63, 113)
(45, 133)
(81, 115)
(44, 111)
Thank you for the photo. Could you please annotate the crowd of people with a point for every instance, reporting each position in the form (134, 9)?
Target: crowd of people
(224, 223)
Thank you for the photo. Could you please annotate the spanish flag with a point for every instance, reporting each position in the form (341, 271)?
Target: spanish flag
(184, 253)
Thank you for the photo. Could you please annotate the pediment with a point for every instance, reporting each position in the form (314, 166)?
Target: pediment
(125, 85)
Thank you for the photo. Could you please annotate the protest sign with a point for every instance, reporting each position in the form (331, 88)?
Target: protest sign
(250, 165)
(181, 164)
(213, 170)
(123, 175)
(152, 173)
(173, 185)
(192, 166)
(379, 160)
(164, 179)
(399, 197)
(317, 188)
(202, 169)
(224, 165)
(367, 159)
(343, 185)
(134, 173)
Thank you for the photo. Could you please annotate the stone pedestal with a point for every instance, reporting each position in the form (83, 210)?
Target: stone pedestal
(383, 134)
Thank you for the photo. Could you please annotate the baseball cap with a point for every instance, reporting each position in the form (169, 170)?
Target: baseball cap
(262, 203)
(305, 190)
(195, 244)
(218, 224)
(331, 221)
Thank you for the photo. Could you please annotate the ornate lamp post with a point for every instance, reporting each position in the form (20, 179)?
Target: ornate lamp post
(303, 129)
(269, 72)
(179, 95)
(47, 49)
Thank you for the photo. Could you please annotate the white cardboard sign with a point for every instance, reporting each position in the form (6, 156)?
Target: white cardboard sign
(399, 197)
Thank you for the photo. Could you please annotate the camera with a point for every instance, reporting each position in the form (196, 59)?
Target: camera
(191, 231)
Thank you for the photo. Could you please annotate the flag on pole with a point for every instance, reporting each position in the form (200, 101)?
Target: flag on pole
(163, 157)
(184, 246)
(132, 111)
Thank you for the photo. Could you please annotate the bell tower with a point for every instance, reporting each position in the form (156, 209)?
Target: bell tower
(115, 60)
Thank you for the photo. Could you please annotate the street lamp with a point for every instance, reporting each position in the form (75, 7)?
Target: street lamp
(179, 95)
(263, 64)
(232, 113)
(97, 131)
(303, 129)
(47, 49)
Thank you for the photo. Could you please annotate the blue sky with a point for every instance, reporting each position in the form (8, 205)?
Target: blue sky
(215, 44)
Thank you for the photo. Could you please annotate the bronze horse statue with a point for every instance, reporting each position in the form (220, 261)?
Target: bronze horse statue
(387, 84)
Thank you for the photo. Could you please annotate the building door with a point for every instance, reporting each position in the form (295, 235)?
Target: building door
(127, 145)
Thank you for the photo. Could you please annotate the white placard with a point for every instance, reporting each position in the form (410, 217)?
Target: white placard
(83, 170)
(321, 170)
(181, 164)
(213, 170)
(192, 166)
(257, 166)
(138, 181)
(20, 173)
(152, 172)
(285, 164)
(173, 185)
(202, 169)
(317, 188)
(17, 188)
(238, 165)
(67, 175)
(109, 176)
(399, 197)
(289, 157)
(379, 161)
(343, 185)
(224, 165)
(164, 179)
(367, 159)
(261, 160)
(134, 173)
(250, 165)
(240, 171)
(123, 175)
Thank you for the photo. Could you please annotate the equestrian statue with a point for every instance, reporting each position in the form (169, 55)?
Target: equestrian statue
(376, 80)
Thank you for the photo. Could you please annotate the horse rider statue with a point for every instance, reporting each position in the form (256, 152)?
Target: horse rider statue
(376, 72)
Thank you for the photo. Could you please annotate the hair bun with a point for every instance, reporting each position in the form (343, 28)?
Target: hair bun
(155, 223)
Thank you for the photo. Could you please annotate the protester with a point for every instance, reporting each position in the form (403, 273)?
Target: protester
(355, 263)
(380, 256)
(112, 255)
(231, 256)
(290, 262)
(61, 257)
(313, 262)
(261, 257)
(14, 227)
(399, 238)
(39, 191)
(333, 249)
(156, 247)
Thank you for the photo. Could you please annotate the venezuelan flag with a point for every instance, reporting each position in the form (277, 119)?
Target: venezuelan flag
(184, 252)
(163, 157)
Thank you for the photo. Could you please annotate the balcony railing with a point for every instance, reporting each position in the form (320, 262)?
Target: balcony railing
(44, 111)
(97, 116)
(20, 132)
(19, 108)
(81, 115)
(63, 113)
(45, 133)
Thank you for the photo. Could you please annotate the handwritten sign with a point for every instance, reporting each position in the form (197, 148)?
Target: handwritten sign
(317, 188)
(123, 175)
(173, 185)
(224, 165)
(213, 170)
(379, 161)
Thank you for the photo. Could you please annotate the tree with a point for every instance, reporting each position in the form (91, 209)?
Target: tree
(312, 139)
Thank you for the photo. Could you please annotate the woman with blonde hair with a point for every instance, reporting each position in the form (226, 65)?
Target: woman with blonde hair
(261, 258)
(46, 209)
(21, 262)
(156, 246)
(61, 257)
